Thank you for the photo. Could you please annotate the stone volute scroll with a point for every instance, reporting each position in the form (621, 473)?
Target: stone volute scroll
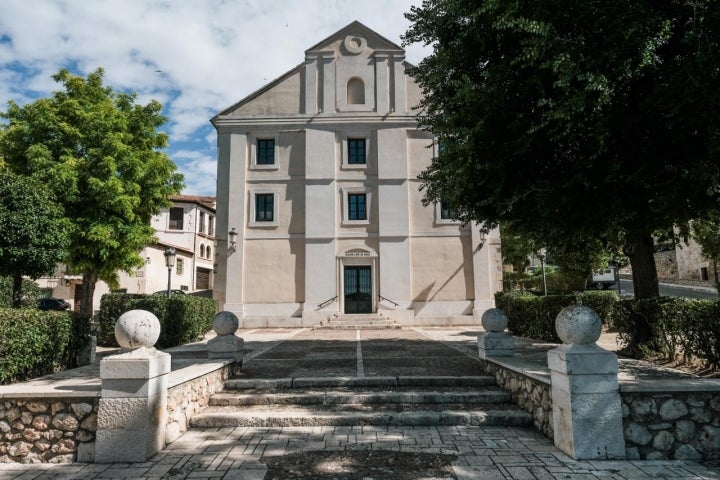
(587, 411)
(495, 342)
(132, 412)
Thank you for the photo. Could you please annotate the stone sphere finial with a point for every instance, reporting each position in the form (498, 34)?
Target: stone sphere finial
(136, 329)
(494, 320)
(225, 323)
(578, 324)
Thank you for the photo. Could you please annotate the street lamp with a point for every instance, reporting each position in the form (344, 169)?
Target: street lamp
(541, 253)
(169, 263)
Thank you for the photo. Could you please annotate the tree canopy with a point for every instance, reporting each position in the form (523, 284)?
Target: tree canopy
(574, 120)
(33, 233)
(706, 231)
(101, 154)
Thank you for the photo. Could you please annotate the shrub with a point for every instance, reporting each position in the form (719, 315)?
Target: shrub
(33, 342)
(30, 293)
(558, 282)
(682, 327)
(534, 317)
(183, 318)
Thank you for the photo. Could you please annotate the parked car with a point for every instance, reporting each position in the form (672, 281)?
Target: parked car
(172, 292)
(53, 304)
(603, 279)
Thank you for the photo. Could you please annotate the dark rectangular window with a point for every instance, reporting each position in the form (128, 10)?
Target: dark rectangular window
(211, 225)
(266, 151)
(176, 218)
(202, 222)
(357, 209)
(264, 207)
(356, 151)
(446, 211)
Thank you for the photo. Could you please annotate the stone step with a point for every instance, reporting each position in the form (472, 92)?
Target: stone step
(299, 416)
(389, 382)
(411, 397)
(357, 326)
(351, 322)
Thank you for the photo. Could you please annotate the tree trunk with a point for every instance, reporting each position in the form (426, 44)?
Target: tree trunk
(645, 283)
(642, 259)
(90, 278)
(17, 290)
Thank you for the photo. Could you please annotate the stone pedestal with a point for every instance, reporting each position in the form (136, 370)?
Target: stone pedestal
(587, 411)
(494, 342)
(132, 413)
(226, 345)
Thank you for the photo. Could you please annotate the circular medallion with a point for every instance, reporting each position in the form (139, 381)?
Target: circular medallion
(355, 44)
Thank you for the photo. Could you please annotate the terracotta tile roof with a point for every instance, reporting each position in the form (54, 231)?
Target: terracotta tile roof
(199, 199)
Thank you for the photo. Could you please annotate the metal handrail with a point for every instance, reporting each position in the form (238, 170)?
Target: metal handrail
(327, 302)
(388, 300)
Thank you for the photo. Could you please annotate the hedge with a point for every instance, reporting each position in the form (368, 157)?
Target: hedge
(29, 296)
(683, 327)
(183, 318)
(34, 343)
(534, 317)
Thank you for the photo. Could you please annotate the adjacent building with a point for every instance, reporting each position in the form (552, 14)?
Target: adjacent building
(319, 210)
(188, 226)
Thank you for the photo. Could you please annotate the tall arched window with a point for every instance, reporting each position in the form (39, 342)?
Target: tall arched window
(355, 91)
(202, 250)
(208, 252)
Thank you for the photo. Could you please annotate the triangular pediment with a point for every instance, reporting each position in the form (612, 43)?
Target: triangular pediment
(354, 48)
(353, 38)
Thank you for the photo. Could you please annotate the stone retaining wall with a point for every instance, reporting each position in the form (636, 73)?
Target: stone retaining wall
(62, 430)
(680, 423)
(531, 394)
(47, 430)
(674, 425)
(188, 398)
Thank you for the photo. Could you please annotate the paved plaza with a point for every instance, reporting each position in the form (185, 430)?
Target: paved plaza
(362, 452)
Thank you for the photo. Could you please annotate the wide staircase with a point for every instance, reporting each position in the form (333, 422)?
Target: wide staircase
(369, 321)
(355, 401)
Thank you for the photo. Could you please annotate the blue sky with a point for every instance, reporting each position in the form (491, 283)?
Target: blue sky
(194, 56)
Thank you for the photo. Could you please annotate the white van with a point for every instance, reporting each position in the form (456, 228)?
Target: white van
(603, 279)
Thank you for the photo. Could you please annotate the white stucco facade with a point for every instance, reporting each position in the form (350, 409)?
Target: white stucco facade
(317, 174)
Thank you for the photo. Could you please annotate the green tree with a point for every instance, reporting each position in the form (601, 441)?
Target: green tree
(33, 233)
(101, 153)
(577, 120)
(516, 248)
(706, 232)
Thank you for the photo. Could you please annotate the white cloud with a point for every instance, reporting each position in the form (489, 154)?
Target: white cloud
(195, 56)
(200, 171)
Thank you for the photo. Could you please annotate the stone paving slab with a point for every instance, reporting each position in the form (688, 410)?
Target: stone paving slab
(479, 453)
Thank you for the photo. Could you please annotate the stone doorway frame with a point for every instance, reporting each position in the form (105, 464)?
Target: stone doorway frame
(358, 256)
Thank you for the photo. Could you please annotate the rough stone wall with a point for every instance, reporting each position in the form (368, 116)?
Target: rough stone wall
(187, 399)
(530, 394)
(680, 426)
(666, 265)
(689, 261)
(47, 430)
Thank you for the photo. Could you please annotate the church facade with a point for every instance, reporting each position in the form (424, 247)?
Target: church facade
(318, 204)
